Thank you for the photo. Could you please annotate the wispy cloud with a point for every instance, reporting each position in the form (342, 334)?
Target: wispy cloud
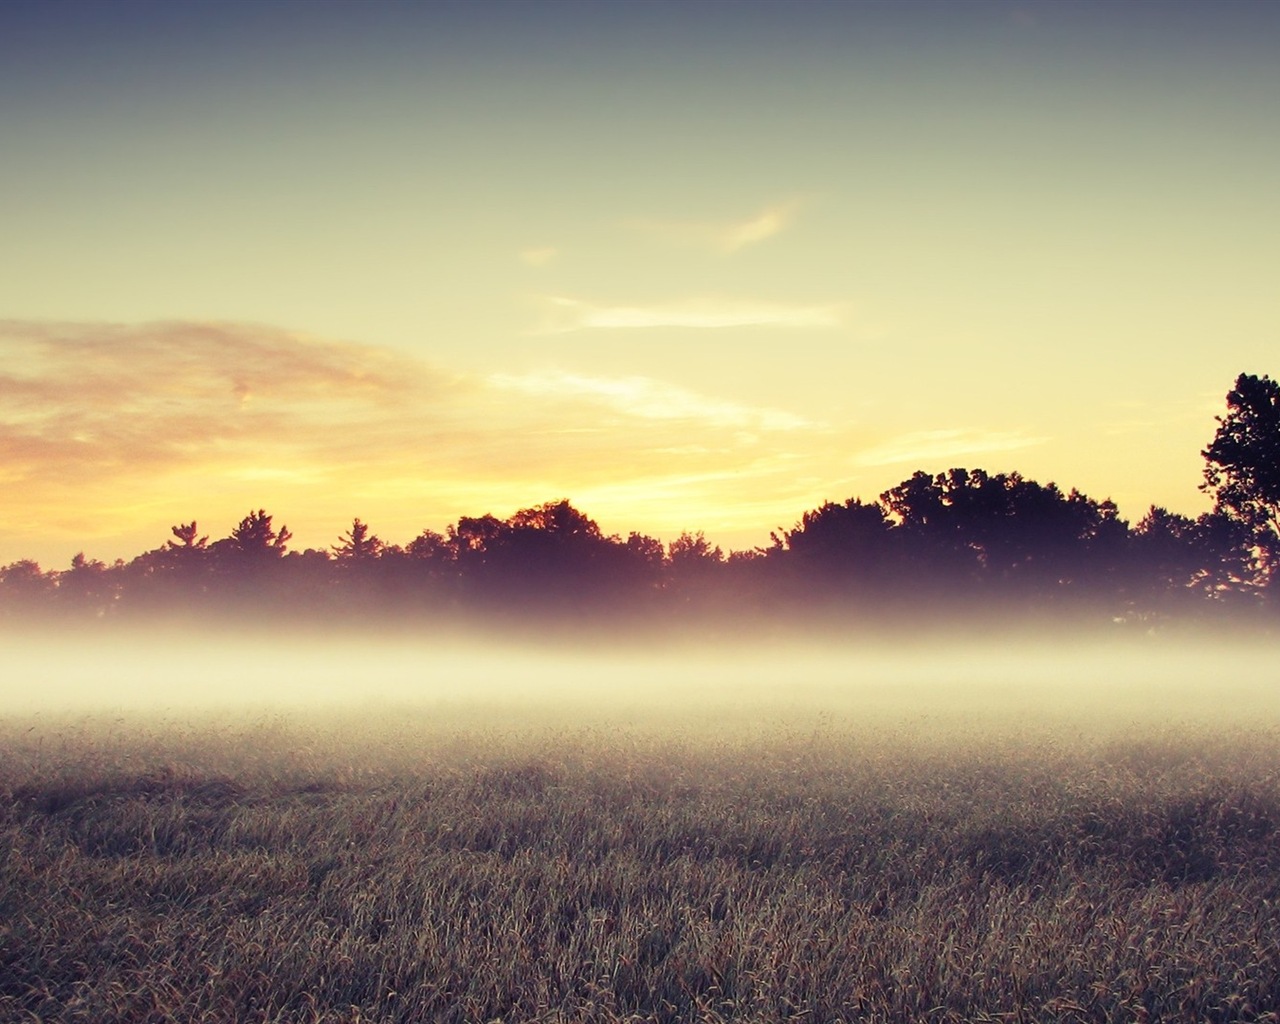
(562, 314)
(539, 256)
(81, 397)
(933, 446)
(725, 237)
(768, 222)
(646, 398)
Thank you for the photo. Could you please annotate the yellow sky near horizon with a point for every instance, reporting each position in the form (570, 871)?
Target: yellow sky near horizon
(114, 426)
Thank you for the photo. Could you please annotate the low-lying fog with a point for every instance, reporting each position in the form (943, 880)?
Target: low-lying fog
(1102, 685)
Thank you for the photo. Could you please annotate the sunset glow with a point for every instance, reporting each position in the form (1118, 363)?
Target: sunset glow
(693, 266)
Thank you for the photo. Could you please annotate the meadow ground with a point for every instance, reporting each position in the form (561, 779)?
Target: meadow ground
(998, 850)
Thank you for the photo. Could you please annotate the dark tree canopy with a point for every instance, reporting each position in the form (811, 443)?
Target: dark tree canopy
(358, 544)
(255, 537)
(1174, 560)
(849, 546)
(1243, 467)
(557, 519)
(189, 535)
(1243, 462)
(968, 526)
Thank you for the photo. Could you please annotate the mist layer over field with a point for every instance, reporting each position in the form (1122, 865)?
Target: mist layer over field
(1085, 683)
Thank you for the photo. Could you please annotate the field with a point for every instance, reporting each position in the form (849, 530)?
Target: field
(992, 853)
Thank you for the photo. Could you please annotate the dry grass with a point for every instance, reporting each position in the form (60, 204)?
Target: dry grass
(278, 873)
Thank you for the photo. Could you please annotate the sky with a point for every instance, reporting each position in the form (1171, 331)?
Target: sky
(693, 266)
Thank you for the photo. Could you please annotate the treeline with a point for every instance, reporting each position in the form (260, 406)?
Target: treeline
(960, 540)
(961, 536)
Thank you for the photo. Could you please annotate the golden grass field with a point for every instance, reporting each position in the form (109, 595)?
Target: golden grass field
(981, 847)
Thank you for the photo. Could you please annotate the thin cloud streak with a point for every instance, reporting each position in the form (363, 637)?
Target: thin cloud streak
(722, 237)
(764, 225)
(646, 398)
(562, 315)
(928, 446)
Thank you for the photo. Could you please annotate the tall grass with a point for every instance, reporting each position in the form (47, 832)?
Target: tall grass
(288, 874)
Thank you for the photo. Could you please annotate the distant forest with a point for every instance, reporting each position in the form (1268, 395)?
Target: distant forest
(963, 541)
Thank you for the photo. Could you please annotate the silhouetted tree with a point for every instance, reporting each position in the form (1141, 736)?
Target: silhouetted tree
(431, 547)
(648, 554)
(1242, 468)
(88, 587)
(25, 587)
(692, 552)
(249, 571)
(962, 528)
(1232, 567)
(937, 557)
(1164, 539)
(358, 545)
(185, 560)
(188, 535)
(555, 519)
(845, 548)
(1176, 561)
(693, 574)
(172, 577)
(474, 536)
(548, 556)
(304, 580)
(254, 537)
(427, 567)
